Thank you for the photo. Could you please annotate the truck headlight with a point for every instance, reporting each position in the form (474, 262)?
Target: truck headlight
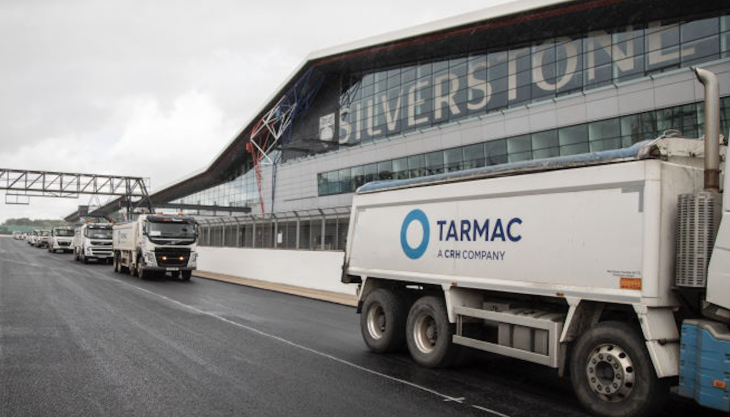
(149, 258)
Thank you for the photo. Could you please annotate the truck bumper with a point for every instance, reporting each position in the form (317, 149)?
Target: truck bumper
(169, 268)
(704, 371)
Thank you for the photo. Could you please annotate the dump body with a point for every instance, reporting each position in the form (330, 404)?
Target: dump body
(603, 232)
(126, 236)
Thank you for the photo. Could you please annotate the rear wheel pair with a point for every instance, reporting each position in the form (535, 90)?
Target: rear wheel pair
(387, 324)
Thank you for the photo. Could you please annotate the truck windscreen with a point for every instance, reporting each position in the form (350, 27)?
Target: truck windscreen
(45, 233)
(171, 230)
(63, 232)
(98, 233)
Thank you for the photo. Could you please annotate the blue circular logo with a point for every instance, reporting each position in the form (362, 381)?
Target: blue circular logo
(420, 217)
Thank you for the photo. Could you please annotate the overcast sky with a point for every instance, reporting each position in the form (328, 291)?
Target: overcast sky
(158, 88)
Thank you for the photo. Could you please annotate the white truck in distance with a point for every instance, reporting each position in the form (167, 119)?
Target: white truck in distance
(155, 244)
(61, 239)
(93, 241)
(43, 239)
(33, 237)
(604, 266)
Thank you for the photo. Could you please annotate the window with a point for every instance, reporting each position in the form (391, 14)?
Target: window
(573, 139)
(416, 164)
(434, 163)
(604, 135)
(519, 148)
(400, 168)
(453, 159)
(385, 170)
(473, 156)
(545, 144)
(371, 172)
(496, 152)
(357, 177)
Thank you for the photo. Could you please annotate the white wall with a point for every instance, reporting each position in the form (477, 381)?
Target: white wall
(319, 270)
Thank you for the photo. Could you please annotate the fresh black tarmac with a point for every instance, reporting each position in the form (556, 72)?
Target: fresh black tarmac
(80, 340)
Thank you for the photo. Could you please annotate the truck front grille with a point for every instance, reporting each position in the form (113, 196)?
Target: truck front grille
(172, 257)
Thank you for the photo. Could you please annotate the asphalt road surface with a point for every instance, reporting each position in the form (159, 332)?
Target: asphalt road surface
(80, 340)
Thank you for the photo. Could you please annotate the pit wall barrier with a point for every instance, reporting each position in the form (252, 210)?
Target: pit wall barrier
(317, 270)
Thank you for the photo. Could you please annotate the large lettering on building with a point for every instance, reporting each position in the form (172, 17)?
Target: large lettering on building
(497, 80)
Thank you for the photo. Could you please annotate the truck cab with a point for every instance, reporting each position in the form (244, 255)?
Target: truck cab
(156, 244)
(61, 239)
(43, 239)
(93, 241)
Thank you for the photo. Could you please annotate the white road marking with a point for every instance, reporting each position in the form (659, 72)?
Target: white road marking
(496, 413)
(459, 400)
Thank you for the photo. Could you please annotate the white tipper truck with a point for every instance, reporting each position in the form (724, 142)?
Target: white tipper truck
(612, 267)
(156, 244)
(93, 241)
(61, 239)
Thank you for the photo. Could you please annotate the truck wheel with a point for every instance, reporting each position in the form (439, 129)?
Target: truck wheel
(383, 321)
(612, 372)
(141, 272)
(186, 275)
(115, 263)
(428, 333)
(84, 259)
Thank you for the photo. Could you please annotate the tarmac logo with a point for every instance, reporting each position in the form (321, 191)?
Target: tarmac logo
(419, 217)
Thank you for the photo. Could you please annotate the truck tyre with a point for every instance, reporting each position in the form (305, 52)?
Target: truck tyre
(612, 372)
(186, 275)
(141, 272)
(383, 321)
(115, 263)
(84, 259)
(429, 334)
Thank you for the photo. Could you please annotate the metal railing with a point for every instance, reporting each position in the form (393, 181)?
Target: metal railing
(315, 229)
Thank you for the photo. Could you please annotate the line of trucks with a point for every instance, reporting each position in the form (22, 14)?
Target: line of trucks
(611, 267)
(152, 245)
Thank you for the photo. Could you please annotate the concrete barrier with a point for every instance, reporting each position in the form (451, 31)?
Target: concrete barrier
(318, 270)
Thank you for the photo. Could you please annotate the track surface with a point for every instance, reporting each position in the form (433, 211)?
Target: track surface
(80, 340)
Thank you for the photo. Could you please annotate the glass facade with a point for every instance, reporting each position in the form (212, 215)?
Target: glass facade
(240, 192)
(397, 100)
(589, 137)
